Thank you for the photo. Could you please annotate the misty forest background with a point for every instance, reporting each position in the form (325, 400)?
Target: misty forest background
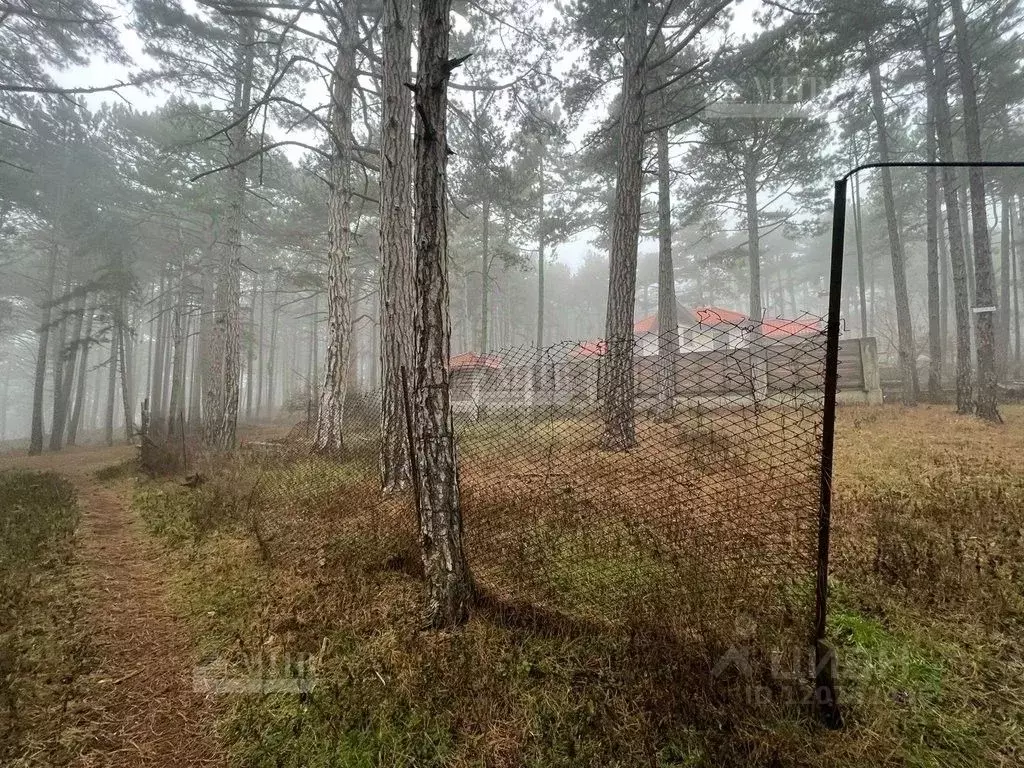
(178, 175)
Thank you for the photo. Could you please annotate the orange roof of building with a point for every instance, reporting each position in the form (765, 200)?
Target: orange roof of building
(719, 316)
(780, 327)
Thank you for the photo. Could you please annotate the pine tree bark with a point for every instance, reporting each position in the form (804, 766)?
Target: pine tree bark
(43, 334)
(250, 355)
(272, 352)
(1014, 229)
(260, 350)
(221, 378)
(858, 234)
(932, 247)
(449, 585)
(541, 248)
(83, 372)
(904, 324)
(330, 417)
(619, 391)
(485, 277)
(668, 321)
(179, 340)
(74, 348)
(108, 432)
(125, 361)
(984, 290)
(750, 173)
(1005, 268)
(157, 373)
(950, 186)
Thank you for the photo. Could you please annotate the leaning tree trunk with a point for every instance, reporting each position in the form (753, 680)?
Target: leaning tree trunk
(448, 580)
(329, 423)
(39, 384)
(619, 388)
(983, 285)
(904, 323)
(950, 185)
(668, 322)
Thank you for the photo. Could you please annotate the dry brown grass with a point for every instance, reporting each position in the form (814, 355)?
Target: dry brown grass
(928, 670)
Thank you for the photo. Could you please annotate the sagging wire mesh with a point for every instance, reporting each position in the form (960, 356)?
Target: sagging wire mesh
(710, 515)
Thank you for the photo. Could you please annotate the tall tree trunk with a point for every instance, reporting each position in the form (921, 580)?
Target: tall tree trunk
(668, 321)
(272, 352)
(73, 346)
(111, 385)
(1014, 228)
(950, 185)
(904, 326)
(750, 172)
(250, 356)
(984, 289)
(220, 409)
(83, 372)
(858, 232)
(4, 394)
(125, 359)
(619, 389)
(397, 257)
(448, 580)
(207, 372)
(157, 373)
(260, 351)
(485, 277)
(59, 362)
(932, 270)
(1005, 268)
(541, 246)
(43, 333)
(329, 423)
(179, 341)
(944, 270)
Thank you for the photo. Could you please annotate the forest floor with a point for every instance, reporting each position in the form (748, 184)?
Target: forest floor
(140, 708)
(260, 570)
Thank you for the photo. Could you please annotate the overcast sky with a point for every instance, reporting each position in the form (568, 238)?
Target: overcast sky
(101, 73)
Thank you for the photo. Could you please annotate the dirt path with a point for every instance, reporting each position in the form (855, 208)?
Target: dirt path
(144, 711)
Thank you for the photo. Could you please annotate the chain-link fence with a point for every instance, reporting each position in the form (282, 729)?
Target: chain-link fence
(711, 514)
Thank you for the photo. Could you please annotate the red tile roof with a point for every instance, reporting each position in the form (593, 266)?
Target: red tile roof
(719, 316)
(781, 328)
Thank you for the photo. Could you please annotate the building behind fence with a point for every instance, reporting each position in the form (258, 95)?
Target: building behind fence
(712, 516)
